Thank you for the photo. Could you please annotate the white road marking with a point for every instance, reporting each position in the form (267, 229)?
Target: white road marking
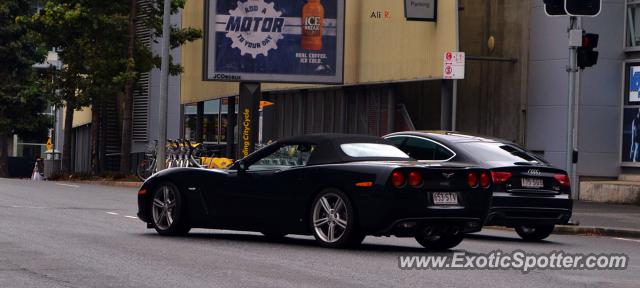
(68, 185)
(132, 217)
(28, 207)
(627, 239)
(112, 213)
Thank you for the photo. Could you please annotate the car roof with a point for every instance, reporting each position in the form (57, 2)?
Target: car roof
(451, 136)
(335, 138)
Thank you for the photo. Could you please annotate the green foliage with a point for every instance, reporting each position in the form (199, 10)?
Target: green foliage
(22, 100)
(93, 38)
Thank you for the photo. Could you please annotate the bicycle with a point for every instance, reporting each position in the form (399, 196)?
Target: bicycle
(180, 153)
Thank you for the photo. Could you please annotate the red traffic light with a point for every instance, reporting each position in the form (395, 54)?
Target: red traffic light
(590, 40)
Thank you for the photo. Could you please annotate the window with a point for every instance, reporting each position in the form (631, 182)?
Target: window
(423, 149)
(498, 153)
(358, 150)
(397, 141)
(632, 34)
(288, 156)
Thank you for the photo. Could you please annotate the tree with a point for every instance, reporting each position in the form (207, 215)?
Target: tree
(21, 100)
(86, 34)
(103, 59)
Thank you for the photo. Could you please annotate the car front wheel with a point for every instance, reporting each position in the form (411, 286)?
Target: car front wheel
(167, 211)
(534, 233)
(333, 220)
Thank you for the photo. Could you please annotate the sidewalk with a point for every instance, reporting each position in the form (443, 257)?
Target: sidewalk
(603, 219)
(606, 215)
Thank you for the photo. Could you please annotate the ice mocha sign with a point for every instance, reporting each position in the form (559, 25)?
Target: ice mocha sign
(275, 41)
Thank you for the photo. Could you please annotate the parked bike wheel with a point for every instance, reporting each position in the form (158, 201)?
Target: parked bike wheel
(145, 169)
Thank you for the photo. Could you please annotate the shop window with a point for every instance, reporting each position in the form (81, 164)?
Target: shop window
(214, 121)
(633, 24)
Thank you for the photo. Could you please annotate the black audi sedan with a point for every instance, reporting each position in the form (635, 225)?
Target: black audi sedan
(338, 188)
(529, 194)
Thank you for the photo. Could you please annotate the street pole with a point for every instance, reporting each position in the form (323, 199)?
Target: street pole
(576, 123)
(164, 86)
(575, 40)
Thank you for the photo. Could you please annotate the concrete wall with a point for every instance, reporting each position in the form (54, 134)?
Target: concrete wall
(599, 104)
(174, 119)
(491, 97)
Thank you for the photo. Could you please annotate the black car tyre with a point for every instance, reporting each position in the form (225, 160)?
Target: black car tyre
(534, 233)
(168, 211)
(333, 220)
(440, 242)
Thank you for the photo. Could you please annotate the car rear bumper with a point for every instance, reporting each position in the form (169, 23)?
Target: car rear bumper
(406, 213)
(513, 210)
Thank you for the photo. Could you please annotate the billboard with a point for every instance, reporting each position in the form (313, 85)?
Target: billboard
(288, 41)
(634, 83)
(630, 136)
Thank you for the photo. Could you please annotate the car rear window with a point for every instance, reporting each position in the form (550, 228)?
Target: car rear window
(499, 152)
(372, 150)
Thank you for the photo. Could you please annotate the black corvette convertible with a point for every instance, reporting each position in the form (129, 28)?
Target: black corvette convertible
(338, 188)
(529, 194)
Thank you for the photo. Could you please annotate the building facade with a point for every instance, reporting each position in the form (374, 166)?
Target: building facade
(393, 79)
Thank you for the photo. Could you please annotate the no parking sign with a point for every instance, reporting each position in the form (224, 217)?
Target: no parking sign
(453, 65)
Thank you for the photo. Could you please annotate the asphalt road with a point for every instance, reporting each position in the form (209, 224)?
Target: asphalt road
(75, 235)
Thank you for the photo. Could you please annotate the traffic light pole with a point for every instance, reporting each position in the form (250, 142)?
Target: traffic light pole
(164, 86)
(572, 69)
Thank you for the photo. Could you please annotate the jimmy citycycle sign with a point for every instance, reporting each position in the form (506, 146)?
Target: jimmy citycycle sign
(275, 41)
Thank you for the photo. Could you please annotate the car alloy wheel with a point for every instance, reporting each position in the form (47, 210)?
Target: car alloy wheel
(164, 203)
(330, 217)
(166, 209)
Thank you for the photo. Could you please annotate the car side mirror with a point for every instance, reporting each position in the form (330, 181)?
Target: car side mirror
(242, 166)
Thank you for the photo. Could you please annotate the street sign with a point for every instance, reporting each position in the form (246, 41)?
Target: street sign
(421, 10)
(49, 144)
(453, 65)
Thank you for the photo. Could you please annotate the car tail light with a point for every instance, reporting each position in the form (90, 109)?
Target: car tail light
(563, 180)
(484, 180)
(415, 179)
(397, 179)
(472, 179)
(500, 177)
(142, 191)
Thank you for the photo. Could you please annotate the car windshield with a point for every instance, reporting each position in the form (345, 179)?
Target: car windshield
(500, 153)
(372, 150)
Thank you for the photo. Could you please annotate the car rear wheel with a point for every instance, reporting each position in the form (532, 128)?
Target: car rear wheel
(333, 220)
(167, 211)
(438, 241)
(534, 233)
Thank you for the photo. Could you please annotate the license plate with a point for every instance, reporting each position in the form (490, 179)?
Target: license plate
(446, 198)
(532, 183)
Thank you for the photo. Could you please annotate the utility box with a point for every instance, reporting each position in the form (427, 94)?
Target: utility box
(52, 163)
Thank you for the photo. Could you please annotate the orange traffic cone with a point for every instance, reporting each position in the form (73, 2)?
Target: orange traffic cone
(36, 176)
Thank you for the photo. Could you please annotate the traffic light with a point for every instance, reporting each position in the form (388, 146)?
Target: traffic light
(583, 7)
(554, 7)
(586, 56)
